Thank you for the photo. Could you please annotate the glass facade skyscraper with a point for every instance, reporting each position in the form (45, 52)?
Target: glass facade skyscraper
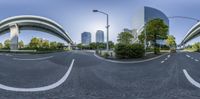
(86, 38)
(143, 16)
(100, 36)
(152, 13)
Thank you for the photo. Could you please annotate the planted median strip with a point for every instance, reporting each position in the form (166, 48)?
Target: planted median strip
(128, 62)
(44, 88)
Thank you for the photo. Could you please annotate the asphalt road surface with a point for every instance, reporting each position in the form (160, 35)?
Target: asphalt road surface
(81, 75)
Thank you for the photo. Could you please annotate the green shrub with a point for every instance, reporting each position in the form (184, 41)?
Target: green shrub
(137, 51)
(149, 49)
(129, 50)
(66, 49)
(164, 47)
(157, 50)
(121, 50)
(106, 55)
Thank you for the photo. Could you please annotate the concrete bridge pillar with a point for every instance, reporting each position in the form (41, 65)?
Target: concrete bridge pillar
(14, 34)
(69, 46)
(183, 46)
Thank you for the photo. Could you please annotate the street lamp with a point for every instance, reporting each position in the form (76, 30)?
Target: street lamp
(107, 27)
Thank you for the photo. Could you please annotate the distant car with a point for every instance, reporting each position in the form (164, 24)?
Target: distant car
(173, 50)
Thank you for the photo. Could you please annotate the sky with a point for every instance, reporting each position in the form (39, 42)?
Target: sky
(76, 16)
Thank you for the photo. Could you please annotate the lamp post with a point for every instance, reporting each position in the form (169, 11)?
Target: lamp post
(107, 27)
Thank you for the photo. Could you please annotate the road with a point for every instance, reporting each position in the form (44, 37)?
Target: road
(81, 75)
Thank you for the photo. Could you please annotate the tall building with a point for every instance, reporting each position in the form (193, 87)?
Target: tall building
(100, 36)
(86, 38)
(143, 16)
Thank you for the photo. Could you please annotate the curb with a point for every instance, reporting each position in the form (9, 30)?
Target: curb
(128, 62)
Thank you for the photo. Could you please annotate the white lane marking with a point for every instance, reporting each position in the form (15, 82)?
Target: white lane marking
(42, 58)
(168, 56)
(44, 88)
(192, 58)
(8, 54)
(188, 55)
(190, 79)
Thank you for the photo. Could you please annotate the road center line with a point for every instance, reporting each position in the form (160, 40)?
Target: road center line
(190, 79)
(45, 88)
(42, 58)
(162, 61)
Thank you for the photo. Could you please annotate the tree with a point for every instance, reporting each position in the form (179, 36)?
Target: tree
(45, 44)
(125, 38)
(80, 46)
(53, 45)
(93, 46)
(111, 45)
(196, 46)
(35, 43)
(141, 37)
(1, 45)
(7, 44)
(60, 45)
(188, 46)
(101, 45)
(171, 41)
(21, 44)
(156, 29)
(125, 49)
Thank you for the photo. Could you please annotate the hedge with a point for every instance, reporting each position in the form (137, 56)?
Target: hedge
(129, 50)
